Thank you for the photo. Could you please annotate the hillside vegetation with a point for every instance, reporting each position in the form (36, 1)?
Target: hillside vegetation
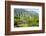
(25, 18)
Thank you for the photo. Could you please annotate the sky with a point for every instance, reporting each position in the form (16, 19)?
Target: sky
(31, 9)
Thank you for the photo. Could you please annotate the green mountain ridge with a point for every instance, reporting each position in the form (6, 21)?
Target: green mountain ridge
(19, 12)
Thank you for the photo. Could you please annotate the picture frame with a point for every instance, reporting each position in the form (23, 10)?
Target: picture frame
(11, 5)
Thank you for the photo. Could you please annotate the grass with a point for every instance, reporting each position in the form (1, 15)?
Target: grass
(26, 21)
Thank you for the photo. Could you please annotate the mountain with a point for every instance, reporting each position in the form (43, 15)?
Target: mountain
(22, 12)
